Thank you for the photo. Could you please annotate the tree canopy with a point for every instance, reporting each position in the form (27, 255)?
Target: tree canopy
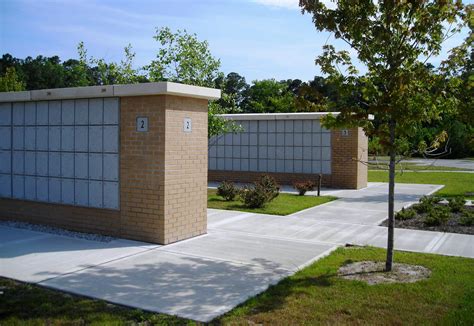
(393, 40)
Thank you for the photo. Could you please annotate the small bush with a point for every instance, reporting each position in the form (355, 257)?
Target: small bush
(262, 192)
(405, 214)
(227, 190)
(269, 186)
(304, 186)
(456, 204)
(253, 197)
(439, 216)
(426, 204)
(467, 218)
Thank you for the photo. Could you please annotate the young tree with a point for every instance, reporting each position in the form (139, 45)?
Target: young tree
(10, 81)
(393, 40)
(269, 96)
(183, 58)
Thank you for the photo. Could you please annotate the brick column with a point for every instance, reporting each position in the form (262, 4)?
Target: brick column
(163, 171)
(349, 152)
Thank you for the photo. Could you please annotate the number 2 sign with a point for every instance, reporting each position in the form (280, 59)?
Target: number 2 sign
(142, 124)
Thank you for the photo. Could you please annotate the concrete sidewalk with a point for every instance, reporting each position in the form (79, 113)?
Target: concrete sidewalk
(242, 254)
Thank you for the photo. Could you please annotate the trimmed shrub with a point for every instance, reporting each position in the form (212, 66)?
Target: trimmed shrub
(253, 197)
(262, 192)
(304, 186)
(456, 204)
(227, 190)
(426, 204)
(269, 187)
(405, 214)
(439, 216)
(467, 218)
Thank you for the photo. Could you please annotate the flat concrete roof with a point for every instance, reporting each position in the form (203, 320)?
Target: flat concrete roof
(159, 88)
(278, 116)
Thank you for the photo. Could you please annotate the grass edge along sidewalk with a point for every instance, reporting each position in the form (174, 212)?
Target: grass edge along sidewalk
(284, 204)
(455, 184)
(314, 295)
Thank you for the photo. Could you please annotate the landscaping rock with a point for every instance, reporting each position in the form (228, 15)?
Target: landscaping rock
(57, 231)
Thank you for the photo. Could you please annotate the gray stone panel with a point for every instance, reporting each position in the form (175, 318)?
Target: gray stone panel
(42, 135)
(81, 192)
(95, 194)
(41, 163)
(42, 189)
(54, 113)
(18, 114)
(81, 112)
(5, 185)
(54, 190)
(81, 138)
(111, 195)
(67, 112)
(5, 114)
(18, 187)
(5, 137)
(67, 165)
(5, 161)
(111, 139)
(54, 138)
(42, 116)
(111, 167)
(54, 169)
(81, 170)
(18, 162)
(67, 191)
(30, 163)
(30, 187)
(30, 113)
(111, 111)
(67, 139)
(95, 166)
(19, 138)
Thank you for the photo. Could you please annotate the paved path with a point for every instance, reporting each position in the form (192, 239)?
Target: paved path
(466, 164)
(241, 256)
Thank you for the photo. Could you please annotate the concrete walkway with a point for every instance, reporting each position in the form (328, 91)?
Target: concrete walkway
(242, 254)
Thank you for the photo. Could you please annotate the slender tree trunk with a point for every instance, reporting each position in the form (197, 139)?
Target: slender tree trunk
(391, 198)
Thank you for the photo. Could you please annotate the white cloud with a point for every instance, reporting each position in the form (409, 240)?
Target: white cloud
(288, 4)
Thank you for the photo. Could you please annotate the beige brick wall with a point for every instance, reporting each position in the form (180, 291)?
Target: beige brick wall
(82, 219)
(348, 156)
(185, 169)
(142, 169)
(163, 178)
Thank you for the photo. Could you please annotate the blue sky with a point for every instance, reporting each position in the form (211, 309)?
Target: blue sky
(256, 38)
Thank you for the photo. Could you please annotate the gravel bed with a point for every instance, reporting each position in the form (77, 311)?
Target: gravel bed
(56, 231)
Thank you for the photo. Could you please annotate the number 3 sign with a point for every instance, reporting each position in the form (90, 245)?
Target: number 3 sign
(188, 125)
(142, 124)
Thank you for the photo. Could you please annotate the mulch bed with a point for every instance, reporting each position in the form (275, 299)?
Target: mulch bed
(452, 225)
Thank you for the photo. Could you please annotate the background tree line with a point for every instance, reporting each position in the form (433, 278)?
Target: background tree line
(182, 57)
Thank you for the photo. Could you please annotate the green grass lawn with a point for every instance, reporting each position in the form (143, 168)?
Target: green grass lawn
(316, 296)
(313, 296)
(413, 167)
(284, 204)
(456, 184)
